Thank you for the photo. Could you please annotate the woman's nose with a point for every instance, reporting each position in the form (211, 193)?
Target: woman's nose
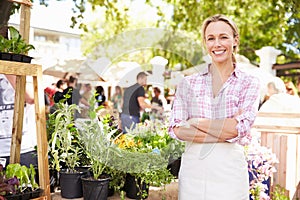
(217, 42)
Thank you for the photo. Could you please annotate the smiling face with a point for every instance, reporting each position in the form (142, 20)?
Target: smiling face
(220, 41)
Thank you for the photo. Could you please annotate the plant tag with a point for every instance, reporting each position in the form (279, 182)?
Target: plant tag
(3, 161)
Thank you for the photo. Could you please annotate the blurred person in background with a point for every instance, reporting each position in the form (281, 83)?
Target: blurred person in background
(61, 85)
(117, 100)
(100, 96)
(73, 94)
(290, 88)
(279, 100)
(134, 101)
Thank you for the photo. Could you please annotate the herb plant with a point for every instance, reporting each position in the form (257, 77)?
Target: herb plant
(14, 43)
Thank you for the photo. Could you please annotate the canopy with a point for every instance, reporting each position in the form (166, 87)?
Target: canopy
(76, 67)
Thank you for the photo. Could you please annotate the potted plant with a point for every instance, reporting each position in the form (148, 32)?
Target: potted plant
(18, 181)
(138, 158)
(144, 156)
(65, 150)
(96, 136)
(14, 48)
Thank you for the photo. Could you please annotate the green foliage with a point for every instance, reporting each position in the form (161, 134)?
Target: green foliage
(144, 155)
(261, 23)
(279, 193)
(14, 43)
(25, 175)
(65, 148)
(96, 139)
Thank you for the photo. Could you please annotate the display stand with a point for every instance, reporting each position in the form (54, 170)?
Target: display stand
(21, 70)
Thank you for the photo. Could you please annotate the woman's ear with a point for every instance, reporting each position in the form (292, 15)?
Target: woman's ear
(235, 43)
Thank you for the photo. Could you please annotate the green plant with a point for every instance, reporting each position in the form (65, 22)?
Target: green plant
(145, 152)
(65, 150)
(25, 175)
(17, 179)
(279, 193)
(96, 139)
(14, 43)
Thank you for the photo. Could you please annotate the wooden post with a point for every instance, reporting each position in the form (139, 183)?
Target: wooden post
(25, 22)
(17, 127)
(42, 143)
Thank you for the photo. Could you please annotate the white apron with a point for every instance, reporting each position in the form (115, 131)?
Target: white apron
(213, 171)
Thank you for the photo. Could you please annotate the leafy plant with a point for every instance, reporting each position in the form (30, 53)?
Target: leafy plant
(7, 185)
(14, 43)
(17, 179)
(25, 175)
(279, 193)
(96, 138)
(145, 153)
(64, 144)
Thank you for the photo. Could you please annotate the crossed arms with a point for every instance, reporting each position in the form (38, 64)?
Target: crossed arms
(202, 130)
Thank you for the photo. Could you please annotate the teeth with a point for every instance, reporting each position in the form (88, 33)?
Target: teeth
(219, 52)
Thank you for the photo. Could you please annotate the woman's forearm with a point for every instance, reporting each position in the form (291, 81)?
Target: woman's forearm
(224, 129)
(194, 134)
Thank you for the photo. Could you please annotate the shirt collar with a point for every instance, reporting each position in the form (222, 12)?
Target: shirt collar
(236, 72)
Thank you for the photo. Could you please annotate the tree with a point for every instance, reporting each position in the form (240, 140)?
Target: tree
(261, 22)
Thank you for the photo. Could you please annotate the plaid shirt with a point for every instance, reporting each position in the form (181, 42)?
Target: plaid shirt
(194, 99)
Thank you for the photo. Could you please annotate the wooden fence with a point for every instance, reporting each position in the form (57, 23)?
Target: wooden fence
(281, 133)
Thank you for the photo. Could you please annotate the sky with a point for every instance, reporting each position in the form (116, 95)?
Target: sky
(57, 15)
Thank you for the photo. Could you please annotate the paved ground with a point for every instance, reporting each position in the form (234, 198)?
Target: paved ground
(154, 194)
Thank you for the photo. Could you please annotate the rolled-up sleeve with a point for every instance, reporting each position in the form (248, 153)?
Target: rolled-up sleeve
(179, 113)
(249, 107)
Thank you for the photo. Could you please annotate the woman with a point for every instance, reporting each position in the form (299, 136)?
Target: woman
(213, 111)
(117, 99)
(58, 95)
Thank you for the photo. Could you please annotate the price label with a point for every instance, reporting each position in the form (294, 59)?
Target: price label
(3, 161)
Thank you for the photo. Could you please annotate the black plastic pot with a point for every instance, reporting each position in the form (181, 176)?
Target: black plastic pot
(25, 195)
(16, 57)
(13, 197)
(71, 184)
(26, 59)
(174, 167)
(6, 56)
(36, 193)
(135, 189)
(95, 189)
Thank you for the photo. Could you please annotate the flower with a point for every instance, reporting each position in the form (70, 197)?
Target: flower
(261, 165)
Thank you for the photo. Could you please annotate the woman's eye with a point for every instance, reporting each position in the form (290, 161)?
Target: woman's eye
(224, 37)
(209, 39)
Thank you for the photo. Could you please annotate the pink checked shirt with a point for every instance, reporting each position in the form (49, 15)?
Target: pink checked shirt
(194, 99)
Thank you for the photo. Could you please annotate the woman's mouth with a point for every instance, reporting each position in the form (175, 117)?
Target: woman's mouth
(219, 52)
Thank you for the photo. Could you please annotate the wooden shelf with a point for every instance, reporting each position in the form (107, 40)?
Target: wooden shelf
(21, 70)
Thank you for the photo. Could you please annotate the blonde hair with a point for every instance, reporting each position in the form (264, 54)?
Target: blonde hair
(223, 18)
